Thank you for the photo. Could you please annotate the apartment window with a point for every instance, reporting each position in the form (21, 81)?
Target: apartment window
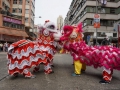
(32, 13)
(21, 27)
(82, 13)
(7, 8)
(92, 9)
(112, 10)
(102, 10)
(20, 1)
(76, 13)
(14, 25)
(14, 10)
(114, 34)
(101, 34)
(83, 2)
(79, 7)
(32, 22)
(111, 22)
(112, 0)
(5, 24)
(84, 24)
(103, 22)
(26, 10)
(3, 4)
(118, 10)
(26, 20)
(91, 21)
(85, 10)
(14, 1)
(20, 10)
(27, 2)
(17, 26)
(33, 2)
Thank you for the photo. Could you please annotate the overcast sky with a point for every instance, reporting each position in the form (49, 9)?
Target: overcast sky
(50, 10)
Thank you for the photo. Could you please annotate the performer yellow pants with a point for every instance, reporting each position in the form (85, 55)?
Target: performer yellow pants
(78, 66)
(61, 51)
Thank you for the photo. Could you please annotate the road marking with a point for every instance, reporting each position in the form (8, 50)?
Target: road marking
(4, 77)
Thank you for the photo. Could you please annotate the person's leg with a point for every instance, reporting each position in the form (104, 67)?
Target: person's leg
(51, 63)
(36, 69)
(77, 68)
(83, 67)
(28, 74)
(5, 49)
(47, 68)
(107, 76)
(15, 74)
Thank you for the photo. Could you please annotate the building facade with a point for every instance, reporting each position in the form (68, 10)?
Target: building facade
(36, 31)
(84, 10)
(26, 9)
(59, 22)
(12, 27)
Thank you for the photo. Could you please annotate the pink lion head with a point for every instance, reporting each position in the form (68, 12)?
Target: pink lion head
(73, 32)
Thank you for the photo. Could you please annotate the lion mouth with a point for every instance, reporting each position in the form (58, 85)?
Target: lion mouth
(73, 36)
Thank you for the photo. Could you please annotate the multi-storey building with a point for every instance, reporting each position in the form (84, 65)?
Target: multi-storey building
(84, 10)
(36, 31)
(59, 22)
(26, 9)
(12, 27)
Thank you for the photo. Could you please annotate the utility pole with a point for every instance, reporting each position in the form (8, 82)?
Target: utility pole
(96, 28)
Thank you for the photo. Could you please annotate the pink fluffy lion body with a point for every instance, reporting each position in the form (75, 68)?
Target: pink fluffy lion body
(107, 57)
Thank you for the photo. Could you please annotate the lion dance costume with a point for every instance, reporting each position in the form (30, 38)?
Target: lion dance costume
(24, 54)
(107, 57)
(73, 35)
(47, 43)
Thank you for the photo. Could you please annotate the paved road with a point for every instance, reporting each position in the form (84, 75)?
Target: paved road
(60, 80)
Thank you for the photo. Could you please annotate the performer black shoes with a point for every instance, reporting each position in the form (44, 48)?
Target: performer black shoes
(104, 82)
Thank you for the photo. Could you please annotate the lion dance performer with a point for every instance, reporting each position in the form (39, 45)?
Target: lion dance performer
(73, 35)
(47, 43)
(24, 54)
(107, 57)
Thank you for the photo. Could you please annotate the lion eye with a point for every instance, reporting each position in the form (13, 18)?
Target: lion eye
(52, 27)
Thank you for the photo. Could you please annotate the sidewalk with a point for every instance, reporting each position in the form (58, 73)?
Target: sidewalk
(3, 52)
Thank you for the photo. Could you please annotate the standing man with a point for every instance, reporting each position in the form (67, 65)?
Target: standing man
(105, 41)
(6, 47)
(0, 46)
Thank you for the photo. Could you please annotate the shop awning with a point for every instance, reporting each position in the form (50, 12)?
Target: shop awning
(13, 32)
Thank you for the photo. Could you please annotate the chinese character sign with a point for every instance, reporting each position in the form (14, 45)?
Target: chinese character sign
(96, 20)
(12, 20)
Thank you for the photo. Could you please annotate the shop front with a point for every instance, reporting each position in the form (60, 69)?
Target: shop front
(11, 36)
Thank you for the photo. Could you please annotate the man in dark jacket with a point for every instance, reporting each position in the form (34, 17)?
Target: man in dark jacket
(105, 41)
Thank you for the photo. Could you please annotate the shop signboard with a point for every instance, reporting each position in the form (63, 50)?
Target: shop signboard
(96, 20)
(7, 19)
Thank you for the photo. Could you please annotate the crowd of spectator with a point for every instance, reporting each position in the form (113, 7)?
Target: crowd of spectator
(4, 47)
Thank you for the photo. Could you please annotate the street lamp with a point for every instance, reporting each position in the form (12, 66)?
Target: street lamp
(33, 25)
(34, 18)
